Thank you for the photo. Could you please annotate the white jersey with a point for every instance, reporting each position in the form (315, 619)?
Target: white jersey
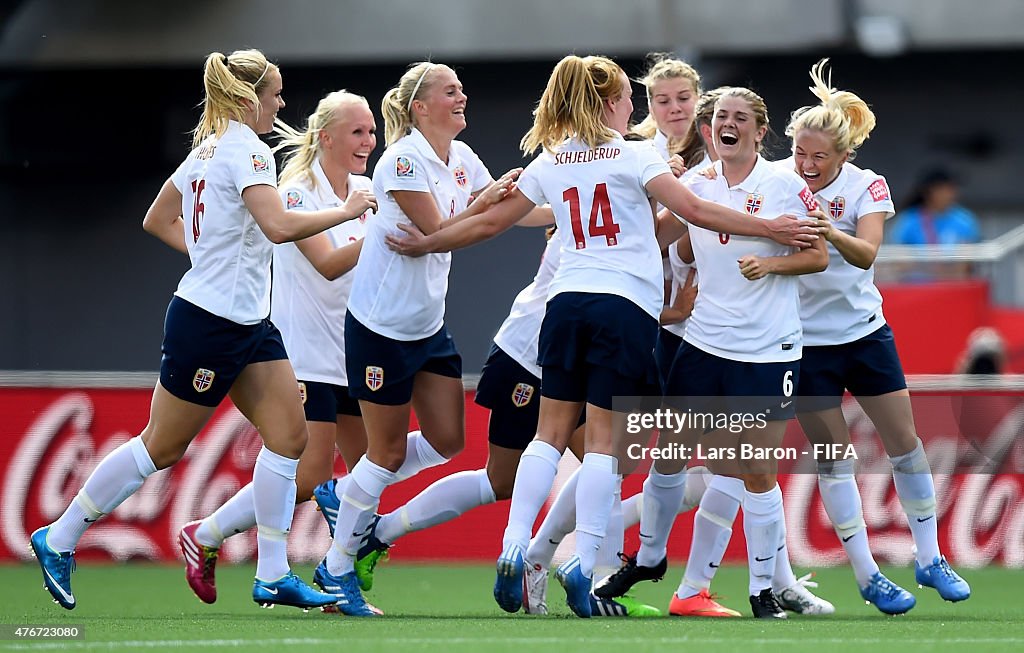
(397, 296)
(678, 269)
(230, 254)
(604, 218)
(520, 332)
(842, 304)
(733, 318)
(307, 308)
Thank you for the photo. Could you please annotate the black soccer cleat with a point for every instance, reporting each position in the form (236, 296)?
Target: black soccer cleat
(766, 606)
(628, 575)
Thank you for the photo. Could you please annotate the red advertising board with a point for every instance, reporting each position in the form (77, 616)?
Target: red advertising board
(51, 437)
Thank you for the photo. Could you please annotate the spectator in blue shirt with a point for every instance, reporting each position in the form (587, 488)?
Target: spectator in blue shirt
(933, 217)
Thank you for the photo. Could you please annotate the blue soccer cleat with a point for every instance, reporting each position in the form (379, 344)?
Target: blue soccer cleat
(327, 502)
(345, 589)
(887, 596)
(289, 590)
(576, 585)
(941, 577)
(57, 568)
(508, 584)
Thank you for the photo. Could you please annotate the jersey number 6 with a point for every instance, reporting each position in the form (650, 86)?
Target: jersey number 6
(601, 221)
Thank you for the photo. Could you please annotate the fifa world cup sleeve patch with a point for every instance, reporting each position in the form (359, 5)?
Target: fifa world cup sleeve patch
(260, 163)
(807, 197)
(294, 199)
(879, 190)
(404, 168)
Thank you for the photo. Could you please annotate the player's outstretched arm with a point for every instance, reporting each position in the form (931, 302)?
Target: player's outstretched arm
(785, 230)
(282, 226)
(163, 219)
(466, 232)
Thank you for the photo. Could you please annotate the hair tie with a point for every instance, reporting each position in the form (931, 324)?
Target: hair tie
(224, 58)
(416, 89)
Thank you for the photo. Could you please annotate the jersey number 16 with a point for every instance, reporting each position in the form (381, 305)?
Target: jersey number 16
(198, 208)
(601, 221)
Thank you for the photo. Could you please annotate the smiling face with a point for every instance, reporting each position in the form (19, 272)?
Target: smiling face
(737, 134)
(816, 158)
(442, 105)
(262, 122)
(671, 103)
(351, 137)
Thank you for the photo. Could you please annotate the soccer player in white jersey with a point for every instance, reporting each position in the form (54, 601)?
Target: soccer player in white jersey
(398, 353)
(742, 343)
(672, 87)
(221, 207)
(849, 346)
(311, 279)
(599, 330)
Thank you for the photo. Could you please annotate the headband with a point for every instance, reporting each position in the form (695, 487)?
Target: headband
(416, 88)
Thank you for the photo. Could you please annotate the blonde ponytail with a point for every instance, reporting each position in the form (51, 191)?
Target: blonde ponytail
(228, 81)
(842, 115)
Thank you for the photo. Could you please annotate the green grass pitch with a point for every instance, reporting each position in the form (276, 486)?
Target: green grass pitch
(145, 607)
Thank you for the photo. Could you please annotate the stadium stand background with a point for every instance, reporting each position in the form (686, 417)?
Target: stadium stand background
(96, 99)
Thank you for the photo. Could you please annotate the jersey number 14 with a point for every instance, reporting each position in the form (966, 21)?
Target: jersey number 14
(601, 221)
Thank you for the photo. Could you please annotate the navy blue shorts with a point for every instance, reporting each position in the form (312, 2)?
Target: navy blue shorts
(701, 381)
(596, 346)
(512, 395)
(323, 402)
(204, 353)
(665, 353)
(867, 368)
(382, 370)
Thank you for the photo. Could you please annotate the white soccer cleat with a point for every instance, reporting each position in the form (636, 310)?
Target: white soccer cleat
(797, 598)
(535, 589)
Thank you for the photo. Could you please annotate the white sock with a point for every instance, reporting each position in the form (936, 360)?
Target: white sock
(534, 478)
(838, 488)
(762, 524)
(116, 477)
(712, 530)
(632, 510)
(912, 475)
(559, 522)
(419, 455)
(595, 493)
(341, 486)
(362, 496)
(608, 560)
(697, 480)
(444, 500)
(237, 515)
(273, 497)
(783, 576)
(663, 493)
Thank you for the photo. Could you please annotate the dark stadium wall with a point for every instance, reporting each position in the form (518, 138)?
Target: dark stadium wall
(83, 152)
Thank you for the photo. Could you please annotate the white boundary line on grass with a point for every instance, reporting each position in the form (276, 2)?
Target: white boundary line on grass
(411, 641)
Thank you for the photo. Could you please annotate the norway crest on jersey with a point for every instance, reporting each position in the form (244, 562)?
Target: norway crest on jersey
(203, 379)
(522, 394)
(461, 178)
(302, 393)
(753, 203)
(837, 207)
(374, 377)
